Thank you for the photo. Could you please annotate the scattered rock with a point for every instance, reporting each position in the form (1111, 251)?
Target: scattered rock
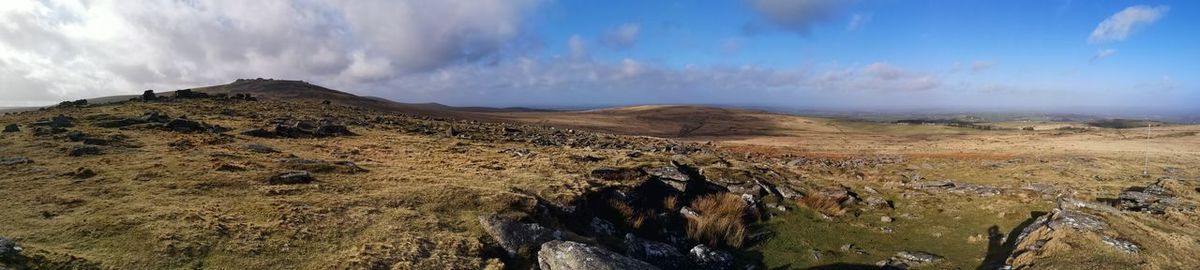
(184, 125)
(12, 128)
(519, 239)
(906, 259)
(181, 144)
(259, 148)
(885, 219)
(602, 227)
(705, 258)
(1155, 198)
(1122, 245)
(60, 121)
(257, 132)
(614, 174)
(878, 202)
(189, 94)
(9, 249)
(288, 178)
(225, 167)
(14, 160)
(659, 254)
(568, 255)
(331, 130)
(82, 150)
(82, 173)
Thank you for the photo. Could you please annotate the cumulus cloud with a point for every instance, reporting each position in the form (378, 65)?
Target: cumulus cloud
(1118, 26)
(622, 37)
(54, 50)
(797, 15)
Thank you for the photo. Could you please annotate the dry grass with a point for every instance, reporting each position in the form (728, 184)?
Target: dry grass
(671, 203)
(828, 205)
(633, 218)
(721, 220)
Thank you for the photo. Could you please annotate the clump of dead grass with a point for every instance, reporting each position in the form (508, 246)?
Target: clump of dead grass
(721, 220)
(823, 203)
(633, 218)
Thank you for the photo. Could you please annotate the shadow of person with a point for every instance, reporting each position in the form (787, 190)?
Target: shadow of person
(1001, 246)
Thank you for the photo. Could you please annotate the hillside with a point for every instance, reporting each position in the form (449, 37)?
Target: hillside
(282, 180)
(673, 121)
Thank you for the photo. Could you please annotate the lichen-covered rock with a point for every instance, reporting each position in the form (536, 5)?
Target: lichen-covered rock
(568, 255)
(8, 248)
(83, 150)
(657, 253)
(288, 178)
(705, 258)
(14, 160)
(519, 239)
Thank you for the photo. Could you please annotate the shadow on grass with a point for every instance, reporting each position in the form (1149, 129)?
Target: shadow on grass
(1001, 247)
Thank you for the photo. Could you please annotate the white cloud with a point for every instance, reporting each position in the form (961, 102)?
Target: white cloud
(981, 66)
(797, 15)
(1103, 53)
(857, 21)
(885, 71)
(56, 50)
(622, 37)
(1118, 26)
(578, 47)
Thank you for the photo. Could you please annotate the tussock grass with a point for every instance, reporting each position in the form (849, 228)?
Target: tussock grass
(721, 220)
(825, 204)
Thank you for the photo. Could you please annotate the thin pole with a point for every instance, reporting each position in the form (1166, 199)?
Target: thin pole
(1146, 161)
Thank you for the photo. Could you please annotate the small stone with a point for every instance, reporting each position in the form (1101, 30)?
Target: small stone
(708, 258)
(8, 248)
(14, 160)
(885, 219)
(287, 178)
(82, 150)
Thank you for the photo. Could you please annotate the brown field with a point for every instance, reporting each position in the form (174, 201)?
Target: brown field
(159, 199)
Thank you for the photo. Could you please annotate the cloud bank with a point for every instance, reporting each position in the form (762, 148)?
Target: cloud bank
(52, 50)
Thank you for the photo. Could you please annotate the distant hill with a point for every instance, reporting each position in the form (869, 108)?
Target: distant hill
(672, 121)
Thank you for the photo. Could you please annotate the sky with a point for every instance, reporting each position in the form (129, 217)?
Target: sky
(820, 54)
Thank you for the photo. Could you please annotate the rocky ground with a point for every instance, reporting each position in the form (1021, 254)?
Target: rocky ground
(193, 180)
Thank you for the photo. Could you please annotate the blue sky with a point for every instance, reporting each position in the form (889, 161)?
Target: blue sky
(1040, 55)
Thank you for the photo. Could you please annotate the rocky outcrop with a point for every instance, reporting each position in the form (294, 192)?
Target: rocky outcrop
(907, 259)
(1156, 198)
(568, 255)
(956, 187)
(518, 239)
(83, 150)
(706, 258)
(657, 253)
(293, 177)
(8, 249)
